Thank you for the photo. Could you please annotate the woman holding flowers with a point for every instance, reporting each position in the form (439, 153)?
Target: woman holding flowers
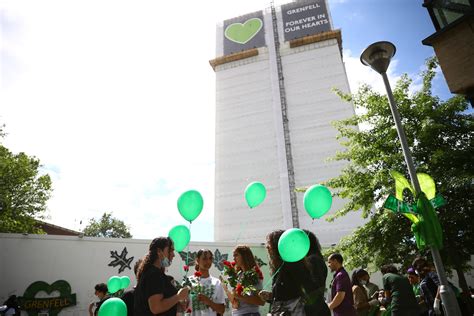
(207, 294)
(246, 279)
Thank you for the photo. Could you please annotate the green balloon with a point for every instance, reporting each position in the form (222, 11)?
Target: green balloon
(255, 193)
(190, 205)
(114, 284)
(181, 236)
(124, 282)
(113, 307)
(293, 245)
(317, 201)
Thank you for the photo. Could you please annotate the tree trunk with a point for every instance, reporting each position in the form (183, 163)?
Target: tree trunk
(466, 294)
(462, 283)
(462, 279)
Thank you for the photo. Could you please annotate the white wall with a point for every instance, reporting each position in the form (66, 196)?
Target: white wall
(82, 262)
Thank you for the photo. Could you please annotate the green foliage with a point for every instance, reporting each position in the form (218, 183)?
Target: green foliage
(107, 226)
(23, 192)
(440, 136)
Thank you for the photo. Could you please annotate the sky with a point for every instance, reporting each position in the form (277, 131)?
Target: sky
(117, 98)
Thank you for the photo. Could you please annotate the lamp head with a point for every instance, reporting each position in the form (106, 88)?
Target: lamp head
(378, 56)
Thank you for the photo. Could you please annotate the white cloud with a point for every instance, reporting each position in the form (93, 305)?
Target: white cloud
(358, 74)
(117, 101)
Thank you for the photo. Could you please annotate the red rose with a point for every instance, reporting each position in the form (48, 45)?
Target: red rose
(227, 263)
(197, 274)
(233, 263)
(186, 268)
(189, 310)
(239, 288)
(259, 272)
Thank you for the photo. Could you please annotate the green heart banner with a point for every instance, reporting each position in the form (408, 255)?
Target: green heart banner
(54, 305)
(242, 33)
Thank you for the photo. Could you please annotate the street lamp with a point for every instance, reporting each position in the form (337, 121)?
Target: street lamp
(378, 56)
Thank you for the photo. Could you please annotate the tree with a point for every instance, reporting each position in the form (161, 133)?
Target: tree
(107, 226)
(440, 136)
(23, 192)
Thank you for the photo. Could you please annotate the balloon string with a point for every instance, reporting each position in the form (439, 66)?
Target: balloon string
(240, 232)
(274, 274)
(187, 252)
(187, 255)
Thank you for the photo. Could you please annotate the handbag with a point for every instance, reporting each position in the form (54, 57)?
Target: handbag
(293, 307)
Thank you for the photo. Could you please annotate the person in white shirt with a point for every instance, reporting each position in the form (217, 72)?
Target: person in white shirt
(210, 299)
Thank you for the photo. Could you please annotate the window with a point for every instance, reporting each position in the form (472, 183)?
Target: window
(445, 12)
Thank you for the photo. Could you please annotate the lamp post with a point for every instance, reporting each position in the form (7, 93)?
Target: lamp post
(378, 56)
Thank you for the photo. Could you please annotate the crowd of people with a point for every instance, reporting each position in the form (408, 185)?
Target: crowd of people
(297, 288)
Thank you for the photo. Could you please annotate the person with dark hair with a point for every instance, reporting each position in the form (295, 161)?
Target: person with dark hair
(245, 305)
(342, 303)
(11, 307)
(414, 281)
(210, 301)
(289, 284)
(363, 303)
(398, 293)
(317, 269)
(389, 268)
(155, 294)
(430, 288)
(371, 288)
(429, 285)
(101, 293)
(128, 296)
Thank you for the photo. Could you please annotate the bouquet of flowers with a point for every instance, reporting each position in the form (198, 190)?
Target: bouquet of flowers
(243, 283)
(194, 284)
(231, 273)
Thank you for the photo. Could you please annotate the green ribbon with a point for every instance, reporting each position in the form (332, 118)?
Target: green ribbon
(425, 223)
(395, 205)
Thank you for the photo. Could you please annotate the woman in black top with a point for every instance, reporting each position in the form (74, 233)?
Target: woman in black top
(155, 294)
(316, 265)
(289, 284)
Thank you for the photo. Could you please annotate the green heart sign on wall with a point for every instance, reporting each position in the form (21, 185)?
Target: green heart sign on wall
(241, 33)
(54, 305)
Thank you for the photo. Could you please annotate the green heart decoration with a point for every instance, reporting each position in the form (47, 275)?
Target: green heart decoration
(54, 305)
(242, 33)
(425, 223)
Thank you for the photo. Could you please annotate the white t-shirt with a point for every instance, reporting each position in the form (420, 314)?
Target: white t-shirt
(212, 288)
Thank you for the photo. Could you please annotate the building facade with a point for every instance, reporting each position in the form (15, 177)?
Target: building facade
(275, 74)
(453, 43)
